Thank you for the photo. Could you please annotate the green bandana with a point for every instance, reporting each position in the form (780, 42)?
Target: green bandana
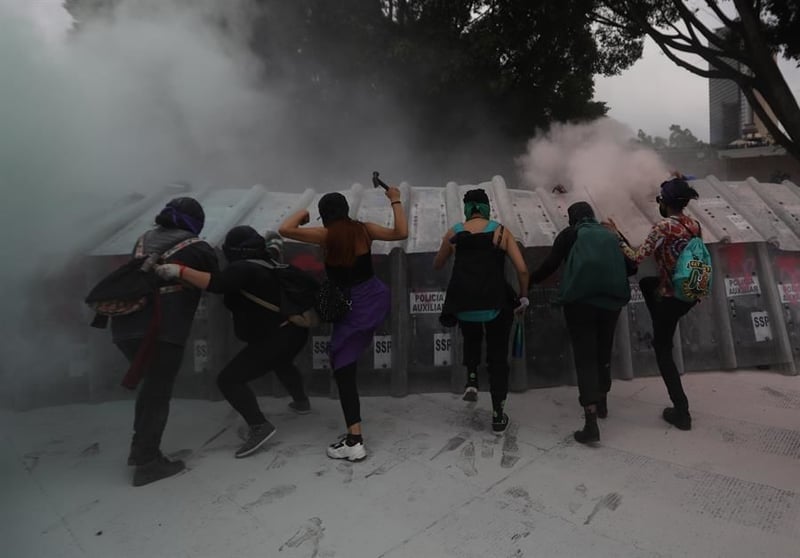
(470, 207)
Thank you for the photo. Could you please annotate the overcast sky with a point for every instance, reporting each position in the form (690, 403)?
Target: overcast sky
(655, 93)
(651, 95)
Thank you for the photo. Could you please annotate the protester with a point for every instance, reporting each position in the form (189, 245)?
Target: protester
(665, 242)
(153, 338)
(594, 288)
(348, 263)
(479, 298)
(272, 341)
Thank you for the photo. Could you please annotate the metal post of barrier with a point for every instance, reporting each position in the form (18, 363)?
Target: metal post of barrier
(778, 326)
(401, 322)
(454, 212)
(727, 351)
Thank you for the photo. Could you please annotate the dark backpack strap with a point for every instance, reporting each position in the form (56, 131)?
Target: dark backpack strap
(501, 230)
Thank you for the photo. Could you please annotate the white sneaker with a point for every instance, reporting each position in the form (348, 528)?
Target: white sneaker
(340, 450)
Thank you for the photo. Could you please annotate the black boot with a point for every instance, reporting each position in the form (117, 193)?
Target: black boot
(157, 469)
(681, 420)
(602, 408)
(590, 432)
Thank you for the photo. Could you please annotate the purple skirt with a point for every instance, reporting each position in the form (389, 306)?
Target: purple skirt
(371, 302)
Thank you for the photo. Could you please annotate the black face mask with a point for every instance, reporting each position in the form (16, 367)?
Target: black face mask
(662, 210)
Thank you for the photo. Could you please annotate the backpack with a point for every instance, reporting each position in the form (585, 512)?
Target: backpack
(595, 271)
(128, 288)
(297, 297)
(691, 279)
(332, 303)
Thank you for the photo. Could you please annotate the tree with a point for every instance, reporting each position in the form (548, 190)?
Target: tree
(682, 138)
(679, 138)
(742, 49)
(451, 68)
(652, 142)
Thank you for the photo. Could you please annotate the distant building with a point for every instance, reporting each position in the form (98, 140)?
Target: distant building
(731, 118)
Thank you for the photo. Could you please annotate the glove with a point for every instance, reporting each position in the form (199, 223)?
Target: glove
(169, 272)
(523, 304)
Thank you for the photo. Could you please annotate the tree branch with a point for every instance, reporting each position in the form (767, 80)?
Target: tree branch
(692, 22)
(712, 56)
(766, 118)
(714, 5)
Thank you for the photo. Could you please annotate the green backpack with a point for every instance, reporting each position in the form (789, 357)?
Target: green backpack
(595, 271)
(691, 279)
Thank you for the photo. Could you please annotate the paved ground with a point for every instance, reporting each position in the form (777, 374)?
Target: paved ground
(437, 482)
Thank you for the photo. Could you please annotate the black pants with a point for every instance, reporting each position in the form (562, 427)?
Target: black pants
(497, 333)
(591, 331)
(152, 401)
(257, 359)
(665, 313)
(348, 393)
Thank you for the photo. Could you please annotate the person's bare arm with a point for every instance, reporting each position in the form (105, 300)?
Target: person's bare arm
(445, 251)
(513, 251)
(400, 229)
(291, 228)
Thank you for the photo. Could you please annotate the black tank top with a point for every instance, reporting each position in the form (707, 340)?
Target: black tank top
(359, 272)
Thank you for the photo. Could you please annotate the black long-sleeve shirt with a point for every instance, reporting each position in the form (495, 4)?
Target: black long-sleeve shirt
(558, 254)
(251, 321)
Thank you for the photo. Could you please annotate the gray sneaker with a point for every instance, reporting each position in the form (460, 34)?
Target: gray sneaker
(257, 437)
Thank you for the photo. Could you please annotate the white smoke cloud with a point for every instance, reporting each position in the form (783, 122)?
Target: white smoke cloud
(157, 93)
(597, 159)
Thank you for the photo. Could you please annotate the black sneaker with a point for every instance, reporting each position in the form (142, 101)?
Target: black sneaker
(602, 408)
(301, 407)
(470, 394)
(157, 469)
(499, 424)
(680, 420)
(257, 437)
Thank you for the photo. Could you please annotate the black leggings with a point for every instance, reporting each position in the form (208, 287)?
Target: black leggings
(277, 353)
(591, 332)
(152, 401)
(498, 332)
(666, 312)
(348, 393)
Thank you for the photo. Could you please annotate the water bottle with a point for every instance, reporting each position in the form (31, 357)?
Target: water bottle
(519, 341)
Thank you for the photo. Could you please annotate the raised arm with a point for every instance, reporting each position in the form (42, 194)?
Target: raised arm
(400, 229)
(290, 228)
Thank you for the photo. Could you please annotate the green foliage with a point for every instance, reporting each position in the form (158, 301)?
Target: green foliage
(454, 67)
